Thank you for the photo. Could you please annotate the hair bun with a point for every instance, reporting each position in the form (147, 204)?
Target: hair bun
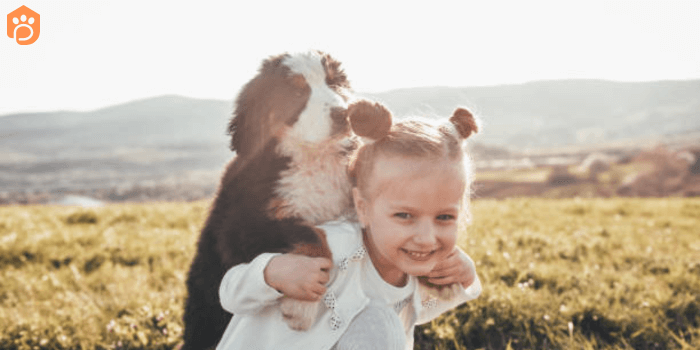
(464, 122)
(369, 119)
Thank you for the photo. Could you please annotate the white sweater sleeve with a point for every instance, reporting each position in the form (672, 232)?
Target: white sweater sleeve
(460, 295)
(243, 289)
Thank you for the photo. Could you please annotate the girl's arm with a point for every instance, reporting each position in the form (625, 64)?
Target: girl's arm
(243, 289)
(457, 293)
(246, 288)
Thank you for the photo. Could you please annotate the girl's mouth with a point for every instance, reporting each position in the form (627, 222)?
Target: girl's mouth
(418, 255)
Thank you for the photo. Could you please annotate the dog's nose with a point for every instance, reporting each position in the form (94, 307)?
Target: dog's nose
(340, 121)
(339, 114)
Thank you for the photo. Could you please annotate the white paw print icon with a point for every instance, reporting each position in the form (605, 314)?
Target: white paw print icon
(23, 18)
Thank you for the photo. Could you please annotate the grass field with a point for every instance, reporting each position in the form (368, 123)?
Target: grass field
(557, 274)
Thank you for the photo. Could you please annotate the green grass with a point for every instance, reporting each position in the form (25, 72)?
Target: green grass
(557, 274)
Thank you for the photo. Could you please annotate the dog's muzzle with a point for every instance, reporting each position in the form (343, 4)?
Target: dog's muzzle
(339, 117)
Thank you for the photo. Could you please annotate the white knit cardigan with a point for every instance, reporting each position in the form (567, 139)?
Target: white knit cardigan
(257, 323)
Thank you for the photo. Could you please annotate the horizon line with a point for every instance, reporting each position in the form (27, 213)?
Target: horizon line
(232, 99)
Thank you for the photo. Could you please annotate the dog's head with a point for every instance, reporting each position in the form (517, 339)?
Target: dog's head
(299, 97)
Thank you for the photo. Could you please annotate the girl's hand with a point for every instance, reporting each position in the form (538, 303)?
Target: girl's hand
(298, 276)
(457, 267)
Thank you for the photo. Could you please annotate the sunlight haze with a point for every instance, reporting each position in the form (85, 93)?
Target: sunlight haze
(91, 54)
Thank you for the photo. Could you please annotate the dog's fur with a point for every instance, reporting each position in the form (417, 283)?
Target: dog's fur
(292, 139)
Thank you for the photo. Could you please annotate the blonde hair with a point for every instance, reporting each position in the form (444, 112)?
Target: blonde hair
(417, 138)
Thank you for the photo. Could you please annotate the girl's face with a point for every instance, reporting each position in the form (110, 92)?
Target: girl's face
(411, 214)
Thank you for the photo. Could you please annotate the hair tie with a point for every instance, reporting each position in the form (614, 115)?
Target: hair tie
(464, 122)
(369, 120)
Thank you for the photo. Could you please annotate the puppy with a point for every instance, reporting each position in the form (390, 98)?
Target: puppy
(292, 137)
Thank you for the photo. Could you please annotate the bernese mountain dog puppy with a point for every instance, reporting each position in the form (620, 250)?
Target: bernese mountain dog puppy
(292, 135)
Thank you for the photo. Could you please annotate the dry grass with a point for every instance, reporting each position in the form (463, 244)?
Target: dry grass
(560, 274)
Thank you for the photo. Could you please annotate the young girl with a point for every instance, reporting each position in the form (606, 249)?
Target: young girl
(411, 193)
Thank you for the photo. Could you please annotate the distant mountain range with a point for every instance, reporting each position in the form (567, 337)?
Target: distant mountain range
(558, 113)
(179, 137)
(163, 120)
(537, 114)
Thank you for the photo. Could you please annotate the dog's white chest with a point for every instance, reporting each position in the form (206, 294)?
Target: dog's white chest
(316, 189)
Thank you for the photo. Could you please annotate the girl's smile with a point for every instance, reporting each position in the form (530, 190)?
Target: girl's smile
(419, 256)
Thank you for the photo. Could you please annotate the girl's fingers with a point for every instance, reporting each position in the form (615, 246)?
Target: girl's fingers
(323, 277)
(443, 280)
(446, 271)
(318, 290)
(306, 296)
(457, 275)
(451, 260)
(324, 263)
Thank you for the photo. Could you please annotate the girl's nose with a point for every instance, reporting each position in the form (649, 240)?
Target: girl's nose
(425, 234)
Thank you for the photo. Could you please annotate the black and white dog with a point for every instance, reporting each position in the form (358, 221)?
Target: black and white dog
(293, 139)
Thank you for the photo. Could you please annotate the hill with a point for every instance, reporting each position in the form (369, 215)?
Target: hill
(137, 148)
(164, 120)
(560, 113)
(537, 114)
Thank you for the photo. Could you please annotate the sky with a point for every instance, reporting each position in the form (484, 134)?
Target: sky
(97, 53)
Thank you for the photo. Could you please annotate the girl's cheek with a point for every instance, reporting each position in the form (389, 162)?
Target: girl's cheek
(450, 239)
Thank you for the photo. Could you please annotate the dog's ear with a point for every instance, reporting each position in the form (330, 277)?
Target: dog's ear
(245, 130)
(335, 76)
(234, 129)
(252, 125)
(464, 122)
(369, 119)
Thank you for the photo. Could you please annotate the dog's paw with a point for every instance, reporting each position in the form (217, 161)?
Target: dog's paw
(298, 314)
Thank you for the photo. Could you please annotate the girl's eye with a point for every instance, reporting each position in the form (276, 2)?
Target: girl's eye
(446, 217)
(402, 215)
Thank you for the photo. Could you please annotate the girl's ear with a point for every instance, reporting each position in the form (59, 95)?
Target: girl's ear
(360, 206)
(465, 122)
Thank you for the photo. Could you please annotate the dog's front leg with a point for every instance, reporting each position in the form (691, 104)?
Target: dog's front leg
(300, 314)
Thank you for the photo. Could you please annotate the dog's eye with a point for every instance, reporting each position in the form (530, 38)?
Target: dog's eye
(298, 81)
